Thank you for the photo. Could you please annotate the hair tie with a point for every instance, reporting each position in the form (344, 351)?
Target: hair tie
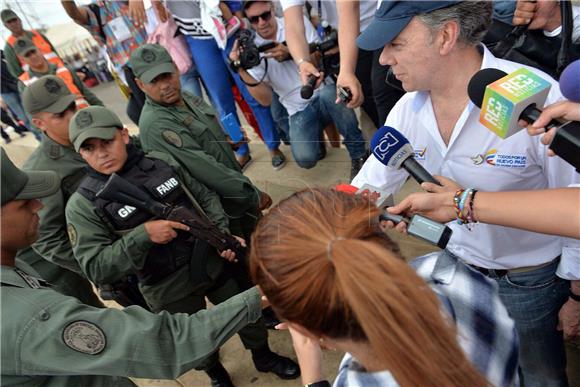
(329, 247)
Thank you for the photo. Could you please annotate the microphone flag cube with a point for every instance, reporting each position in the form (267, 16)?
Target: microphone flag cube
(390, 147)
(505, 100)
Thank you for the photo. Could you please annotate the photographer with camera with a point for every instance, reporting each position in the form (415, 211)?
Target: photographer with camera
(276, 72)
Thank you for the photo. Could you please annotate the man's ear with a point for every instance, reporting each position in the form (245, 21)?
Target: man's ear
(448, 36)
(39, 123)
(125, 135)
(139, 83)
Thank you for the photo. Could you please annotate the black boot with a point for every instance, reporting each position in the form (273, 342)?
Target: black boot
(267, 361)
(219, 376)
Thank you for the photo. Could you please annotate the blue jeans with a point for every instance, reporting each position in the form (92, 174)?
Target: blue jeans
(190, 82)
(306, 128)
(15, 104)
(504, 10)
(280, 116)
(533, 299)
(211, 65)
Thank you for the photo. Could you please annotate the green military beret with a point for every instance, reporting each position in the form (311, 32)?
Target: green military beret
(150, 60)
(7, 15)
(20, 185)
(47, 94)
(93, 122)
(23, 46)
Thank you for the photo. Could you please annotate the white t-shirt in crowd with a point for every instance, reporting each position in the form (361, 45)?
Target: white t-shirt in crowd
(476, 158)
(283, 77)
(575, 26)
(367, 12)
(330, 13)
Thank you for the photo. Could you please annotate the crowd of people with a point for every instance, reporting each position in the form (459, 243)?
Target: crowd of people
(161, 221)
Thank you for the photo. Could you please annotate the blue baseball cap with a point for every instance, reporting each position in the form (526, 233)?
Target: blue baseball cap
(392, 17)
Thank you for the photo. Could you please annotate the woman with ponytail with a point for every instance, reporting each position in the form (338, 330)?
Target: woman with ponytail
(331, 273)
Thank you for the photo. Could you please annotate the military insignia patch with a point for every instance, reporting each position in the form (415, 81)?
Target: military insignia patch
(148, 56)
(172, 138)
(52, 86)
(85, 337)
(72, 234)
(84, 119)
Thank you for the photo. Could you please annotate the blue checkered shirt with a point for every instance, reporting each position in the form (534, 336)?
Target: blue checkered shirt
(485, 331)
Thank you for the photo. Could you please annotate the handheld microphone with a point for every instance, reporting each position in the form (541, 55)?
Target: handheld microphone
(419, 226)
(423, 228)
(308, 89)
(504, 99)
(570, 81)
(566, 142)
(392, 149)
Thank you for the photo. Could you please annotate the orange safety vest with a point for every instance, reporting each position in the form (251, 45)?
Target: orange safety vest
(64, 74)
(42, 45)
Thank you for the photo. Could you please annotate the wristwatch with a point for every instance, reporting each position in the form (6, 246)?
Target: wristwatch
(575, 297)
(322, 383)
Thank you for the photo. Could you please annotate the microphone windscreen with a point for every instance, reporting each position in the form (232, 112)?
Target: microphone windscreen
(478, 83)
(386, 143)
(570, 81)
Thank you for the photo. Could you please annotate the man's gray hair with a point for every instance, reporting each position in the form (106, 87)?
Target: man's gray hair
(473, 18)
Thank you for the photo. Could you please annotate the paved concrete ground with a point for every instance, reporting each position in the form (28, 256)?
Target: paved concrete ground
(335, 168)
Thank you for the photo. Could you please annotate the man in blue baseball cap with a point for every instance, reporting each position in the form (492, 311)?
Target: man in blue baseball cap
(434, 48)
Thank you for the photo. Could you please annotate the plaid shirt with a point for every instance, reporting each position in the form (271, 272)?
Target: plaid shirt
(119, 51)
(485, 331)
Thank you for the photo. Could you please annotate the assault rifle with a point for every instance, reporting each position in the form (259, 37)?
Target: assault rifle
(122, 191)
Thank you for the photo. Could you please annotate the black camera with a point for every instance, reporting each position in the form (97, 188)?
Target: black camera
(249, 53)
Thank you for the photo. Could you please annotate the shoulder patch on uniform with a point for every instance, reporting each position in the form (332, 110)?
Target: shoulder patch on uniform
(172, 138)
(85, 337)
(54, 151)
(72, 234)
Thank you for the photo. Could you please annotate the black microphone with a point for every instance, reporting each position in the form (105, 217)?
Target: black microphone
(566, 143)
(308, 89)
(392, 149)
(485, 77)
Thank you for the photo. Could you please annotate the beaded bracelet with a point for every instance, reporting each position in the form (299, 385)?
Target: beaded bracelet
(456, 205)
(463, 205)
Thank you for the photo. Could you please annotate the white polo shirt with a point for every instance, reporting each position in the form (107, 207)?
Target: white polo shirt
(476, 158)
(283, 77)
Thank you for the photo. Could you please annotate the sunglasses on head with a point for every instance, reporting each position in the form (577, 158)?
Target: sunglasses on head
(264, 16)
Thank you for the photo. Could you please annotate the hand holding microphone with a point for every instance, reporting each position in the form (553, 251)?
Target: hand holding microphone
(417, 225)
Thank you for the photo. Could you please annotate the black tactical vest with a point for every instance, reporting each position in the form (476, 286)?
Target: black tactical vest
(158, 179)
